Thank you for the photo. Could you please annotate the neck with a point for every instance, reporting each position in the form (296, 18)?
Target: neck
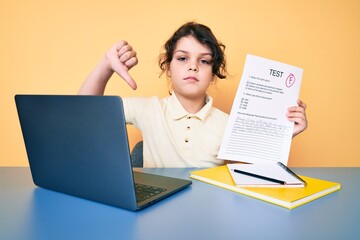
(192, 105)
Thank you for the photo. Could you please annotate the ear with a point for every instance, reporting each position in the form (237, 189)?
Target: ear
(168, 74)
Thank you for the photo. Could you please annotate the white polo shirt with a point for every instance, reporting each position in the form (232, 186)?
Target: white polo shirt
(172, 136)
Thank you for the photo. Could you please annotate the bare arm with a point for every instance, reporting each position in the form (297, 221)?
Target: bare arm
(120, 59)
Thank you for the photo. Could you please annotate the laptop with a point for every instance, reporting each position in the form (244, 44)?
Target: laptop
(78, 145)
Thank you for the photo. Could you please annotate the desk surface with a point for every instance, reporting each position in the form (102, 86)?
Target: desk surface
(202, 211)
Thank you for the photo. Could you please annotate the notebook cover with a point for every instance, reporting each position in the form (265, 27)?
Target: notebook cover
(285, 197)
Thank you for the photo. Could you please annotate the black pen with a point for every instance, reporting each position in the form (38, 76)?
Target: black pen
(261, 177)
(291, 172)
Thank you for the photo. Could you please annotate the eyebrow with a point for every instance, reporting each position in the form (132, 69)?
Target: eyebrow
(202, 54)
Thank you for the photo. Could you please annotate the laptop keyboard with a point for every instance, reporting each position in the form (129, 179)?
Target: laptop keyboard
(144, 192)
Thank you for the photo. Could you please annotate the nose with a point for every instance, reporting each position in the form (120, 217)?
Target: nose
(193, 67)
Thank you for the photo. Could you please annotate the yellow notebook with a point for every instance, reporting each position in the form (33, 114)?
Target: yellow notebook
(285, 197)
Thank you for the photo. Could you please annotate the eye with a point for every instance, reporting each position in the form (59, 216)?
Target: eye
(181, 59)
(205, 61)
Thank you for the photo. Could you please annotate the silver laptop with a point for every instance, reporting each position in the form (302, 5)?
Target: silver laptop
(78, 145)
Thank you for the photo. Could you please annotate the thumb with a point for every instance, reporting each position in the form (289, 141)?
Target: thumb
(123, 72)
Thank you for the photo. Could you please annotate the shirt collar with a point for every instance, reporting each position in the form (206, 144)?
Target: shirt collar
(177, 111)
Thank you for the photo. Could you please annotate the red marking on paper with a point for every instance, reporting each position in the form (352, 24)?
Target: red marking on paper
(290, 80)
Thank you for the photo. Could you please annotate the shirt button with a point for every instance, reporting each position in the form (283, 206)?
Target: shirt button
(188, 128)
(188, 117)
(186, 139)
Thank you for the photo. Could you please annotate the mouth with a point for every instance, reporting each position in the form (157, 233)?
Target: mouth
(191, 78)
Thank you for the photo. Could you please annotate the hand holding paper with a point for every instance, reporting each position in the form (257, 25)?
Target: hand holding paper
(258, 129)
(297, 115)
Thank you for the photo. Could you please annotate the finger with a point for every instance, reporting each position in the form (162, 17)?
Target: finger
(127, 56)
(300, 108)
(296, 109)
(128, 79)
(295, 115)
(124, 49)
(131, 62)
(301, 104)
(120, 44)
(300, 123)
(122, 71)
(297, 120)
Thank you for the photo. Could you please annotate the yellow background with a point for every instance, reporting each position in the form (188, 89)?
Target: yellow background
(49, 47)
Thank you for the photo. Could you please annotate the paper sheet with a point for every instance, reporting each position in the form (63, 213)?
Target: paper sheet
(258, 129)
(268, 169)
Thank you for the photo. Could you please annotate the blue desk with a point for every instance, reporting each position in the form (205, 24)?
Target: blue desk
(200, 212)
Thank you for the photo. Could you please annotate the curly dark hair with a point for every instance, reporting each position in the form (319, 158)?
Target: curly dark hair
(205, 36)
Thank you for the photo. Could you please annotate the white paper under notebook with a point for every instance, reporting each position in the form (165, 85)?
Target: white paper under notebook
(268, 170)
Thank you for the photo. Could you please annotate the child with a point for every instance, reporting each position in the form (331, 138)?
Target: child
(184, 129)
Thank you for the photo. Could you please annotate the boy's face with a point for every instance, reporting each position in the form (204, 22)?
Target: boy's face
(190, 70)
